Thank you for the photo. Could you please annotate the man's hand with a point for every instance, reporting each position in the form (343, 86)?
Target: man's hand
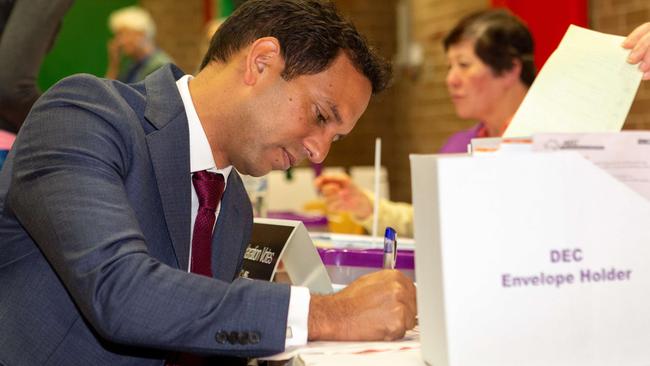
(639, 42)
(377, 306)
(342, 194)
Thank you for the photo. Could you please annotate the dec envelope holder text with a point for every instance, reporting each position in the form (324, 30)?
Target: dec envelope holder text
(495, 235)
(273, 240)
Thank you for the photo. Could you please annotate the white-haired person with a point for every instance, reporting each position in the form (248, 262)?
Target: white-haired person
(132, 52)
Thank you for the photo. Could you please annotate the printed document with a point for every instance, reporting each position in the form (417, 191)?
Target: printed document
(624, 155)
(585, 86)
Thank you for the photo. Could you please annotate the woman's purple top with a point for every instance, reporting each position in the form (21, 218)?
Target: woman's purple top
(458, 142)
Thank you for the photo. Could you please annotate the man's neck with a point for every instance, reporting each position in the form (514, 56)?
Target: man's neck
(212, 99)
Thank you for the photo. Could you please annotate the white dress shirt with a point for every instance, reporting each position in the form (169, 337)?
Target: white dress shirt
(201, 159)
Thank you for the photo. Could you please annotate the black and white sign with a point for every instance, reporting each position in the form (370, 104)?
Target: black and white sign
(273, 240)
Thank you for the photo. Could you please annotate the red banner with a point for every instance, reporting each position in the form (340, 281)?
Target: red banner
(547, 20)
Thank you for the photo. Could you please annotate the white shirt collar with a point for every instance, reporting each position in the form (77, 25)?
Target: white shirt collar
(200, 152)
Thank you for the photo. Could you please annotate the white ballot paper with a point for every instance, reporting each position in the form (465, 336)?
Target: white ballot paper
(352, 353)
(625, 155)
(586, 85)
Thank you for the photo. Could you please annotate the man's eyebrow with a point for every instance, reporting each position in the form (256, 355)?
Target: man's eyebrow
(335, 110)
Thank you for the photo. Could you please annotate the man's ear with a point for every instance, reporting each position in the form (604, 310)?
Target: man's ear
(263, 56)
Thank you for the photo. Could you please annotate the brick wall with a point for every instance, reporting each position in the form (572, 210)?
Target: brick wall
(377, 23)
(425, 114)
(179, 29)
(415, 115)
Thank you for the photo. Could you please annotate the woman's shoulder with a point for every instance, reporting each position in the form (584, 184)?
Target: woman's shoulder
(457, 143)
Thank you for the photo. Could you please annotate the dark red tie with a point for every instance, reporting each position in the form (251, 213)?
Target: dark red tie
(209, 188)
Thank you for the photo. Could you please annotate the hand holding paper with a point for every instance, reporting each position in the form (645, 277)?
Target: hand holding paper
(585, 86)
(639, 42)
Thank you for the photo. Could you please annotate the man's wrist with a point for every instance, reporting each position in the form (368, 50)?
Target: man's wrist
(320, 324)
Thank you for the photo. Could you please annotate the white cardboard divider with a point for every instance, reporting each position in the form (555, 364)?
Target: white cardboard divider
(530, 259)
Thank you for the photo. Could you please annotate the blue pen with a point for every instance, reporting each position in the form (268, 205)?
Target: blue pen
(390, 248)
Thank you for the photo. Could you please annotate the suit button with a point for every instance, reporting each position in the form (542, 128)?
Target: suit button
(254, 337)
(221, 337)
(243, 338)
(233, 337)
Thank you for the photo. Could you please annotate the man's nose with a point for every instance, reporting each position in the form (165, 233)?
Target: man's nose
(318, 147)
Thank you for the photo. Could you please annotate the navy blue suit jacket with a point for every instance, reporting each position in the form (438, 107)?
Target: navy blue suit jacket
(95, 235)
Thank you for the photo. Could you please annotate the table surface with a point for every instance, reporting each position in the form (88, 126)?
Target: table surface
(403, 352)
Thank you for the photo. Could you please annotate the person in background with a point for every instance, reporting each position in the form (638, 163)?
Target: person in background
(124, 221)
(132, 52)
(490, 59)
(490, 69)
(28, 29)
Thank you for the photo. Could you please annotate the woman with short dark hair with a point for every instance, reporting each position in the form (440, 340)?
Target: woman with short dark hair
(490, 59)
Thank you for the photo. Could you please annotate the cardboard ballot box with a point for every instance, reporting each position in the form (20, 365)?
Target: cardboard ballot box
(348, 257)
(345, 265)
(530, 259)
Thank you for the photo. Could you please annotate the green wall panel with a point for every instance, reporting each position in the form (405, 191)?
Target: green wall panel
(81, 43)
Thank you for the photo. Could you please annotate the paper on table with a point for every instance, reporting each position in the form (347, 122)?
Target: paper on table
(406, 357)
(585, 86)
(410, 341)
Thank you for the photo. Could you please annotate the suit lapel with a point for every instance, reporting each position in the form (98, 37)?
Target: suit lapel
(228, 239)
(170, 156)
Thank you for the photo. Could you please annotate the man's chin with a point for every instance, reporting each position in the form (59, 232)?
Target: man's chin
(255, 171)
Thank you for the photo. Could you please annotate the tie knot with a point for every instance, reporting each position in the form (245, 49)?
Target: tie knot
(209, 188)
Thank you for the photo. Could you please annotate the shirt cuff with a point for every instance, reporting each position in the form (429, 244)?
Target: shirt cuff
(298, 315)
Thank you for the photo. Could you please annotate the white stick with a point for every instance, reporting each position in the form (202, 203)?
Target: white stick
(375, 207)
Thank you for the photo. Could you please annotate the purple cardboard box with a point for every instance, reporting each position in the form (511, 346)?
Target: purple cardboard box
(346, 265)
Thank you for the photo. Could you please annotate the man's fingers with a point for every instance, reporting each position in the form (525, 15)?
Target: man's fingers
(409, 300)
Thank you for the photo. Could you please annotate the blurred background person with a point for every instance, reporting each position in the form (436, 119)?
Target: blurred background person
(490, 68)
(132, 52)
(28, 29)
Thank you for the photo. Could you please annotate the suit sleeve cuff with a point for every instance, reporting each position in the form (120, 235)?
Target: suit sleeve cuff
(297, 317)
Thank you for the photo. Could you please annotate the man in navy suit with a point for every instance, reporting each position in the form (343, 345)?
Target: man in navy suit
(97, 203)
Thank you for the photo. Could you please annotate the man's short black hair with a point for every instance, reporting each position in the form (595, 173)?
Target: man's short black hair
(311, 34)
(499, 38)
